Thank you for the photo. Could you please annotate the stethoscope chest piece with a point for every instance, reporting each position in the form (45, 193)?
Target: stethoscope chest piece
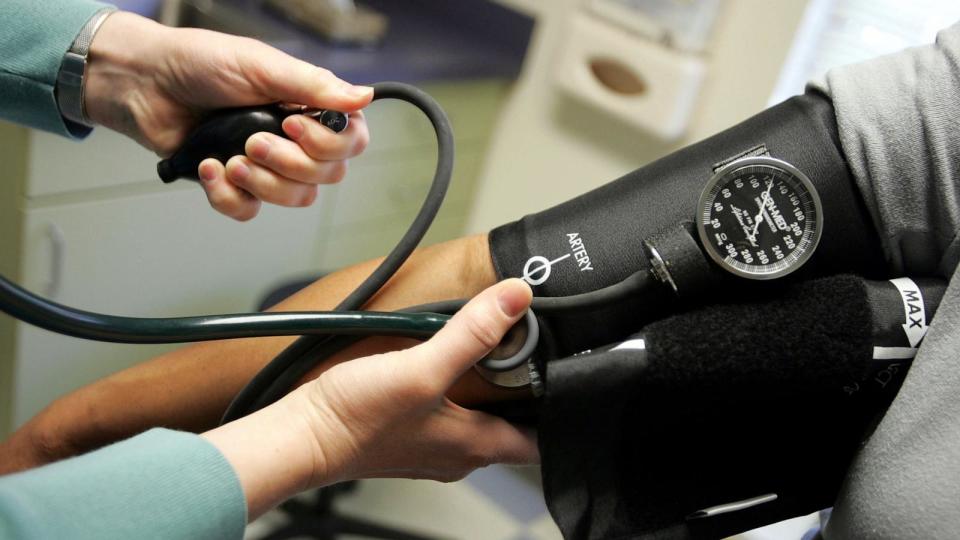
(507, 365)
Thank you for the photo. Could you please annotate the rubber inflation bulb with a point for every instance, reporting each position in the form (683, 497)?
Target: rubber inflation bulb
(224, 135)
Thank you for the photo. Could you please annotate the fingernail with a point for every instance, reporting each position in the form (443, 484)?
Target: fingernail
(259, 148)
(207, 173)
(512, 302)
(293, 127)
(240, 171)
(359, 91)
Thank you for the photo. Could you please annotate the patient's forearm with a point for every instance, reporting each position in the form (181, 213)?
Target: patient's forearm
(191, 387)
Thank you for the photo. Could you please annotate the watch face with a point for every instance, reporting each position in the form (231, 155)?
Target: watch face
(760, 218)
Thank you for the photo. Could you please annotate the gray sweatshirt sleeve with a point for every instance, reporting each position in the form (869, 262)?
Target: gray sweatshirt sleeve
(899, 121)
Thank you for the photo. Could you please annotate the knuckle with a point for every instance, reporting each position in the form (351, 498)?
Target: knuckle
(245, 212)
(324, 81)
(218, 200)
(293, 165)
(289, 198)
(423, 389)
(227, 205)
(483, 329)
(249, 44)
(308, 197)
(324, 74)
(338, 170)
(361, 142)
(314, 139)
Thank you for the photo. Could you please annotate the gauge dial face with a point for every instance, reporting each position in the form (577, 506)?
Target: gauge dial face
(760, 218)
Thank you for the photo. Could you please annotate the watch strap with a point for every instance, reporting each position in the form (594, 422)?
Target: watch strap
(70, 78)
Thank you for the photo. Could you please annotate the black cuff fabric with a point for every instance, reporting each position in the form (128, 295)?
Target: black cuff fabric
(614, 465)
(595, 240)
(763, 400)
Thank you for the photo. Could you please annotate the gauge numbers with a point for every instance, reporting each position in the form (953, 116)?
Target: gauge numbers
(760, 218)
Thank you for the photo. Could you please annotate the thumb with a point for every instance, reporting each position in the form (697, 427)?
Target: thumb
(474, 330)
(294, 81)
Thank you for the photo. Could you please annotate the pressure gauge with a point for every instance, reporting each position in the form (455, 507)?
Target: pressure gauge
(759, 218)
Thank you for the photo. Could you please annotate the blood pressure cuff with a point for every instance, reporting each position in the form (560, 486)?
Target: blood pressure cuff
(595, 240)
(728, 417)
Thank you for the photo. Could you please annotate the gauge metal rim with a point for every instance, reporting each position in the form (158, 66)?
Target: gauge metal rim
(731, 167)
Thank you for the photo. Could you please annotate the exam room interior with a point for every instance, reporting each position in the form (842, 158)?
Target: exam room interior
(89, 224)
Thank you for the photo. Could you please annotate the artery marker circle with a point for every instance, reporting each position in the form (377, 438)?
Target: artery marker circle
(539, 264)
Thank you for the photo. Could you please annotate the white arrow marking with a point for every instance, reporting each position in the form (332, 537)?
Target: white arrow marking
(894, 353)
(914, 313)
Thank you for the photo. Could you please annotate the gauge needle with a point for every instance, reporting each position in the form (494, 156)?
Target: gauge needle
(756, 220)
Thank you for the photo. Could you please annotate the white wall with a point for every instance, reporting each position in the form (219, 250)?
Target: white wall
(548, 148)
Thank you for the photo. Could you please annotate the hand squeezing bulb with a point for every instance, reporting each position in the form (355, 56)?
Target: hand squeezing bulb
(224, 135)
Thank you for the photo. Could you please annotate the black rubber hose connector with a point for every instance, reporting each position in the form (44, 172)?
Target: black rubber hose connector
(677, 259)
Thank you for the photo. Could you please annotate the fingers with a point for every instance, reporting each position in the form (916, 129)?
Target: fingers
(472, 332)
(322, 143)
(225, 197)
(287, 159)
(315, 155)
(267, 186)
(286, 172)
(281, 171)
(295, 81)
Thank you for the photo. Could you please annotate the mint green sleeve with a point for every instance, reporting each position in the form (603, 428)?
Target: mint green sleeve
(160, 484)
(34, 36)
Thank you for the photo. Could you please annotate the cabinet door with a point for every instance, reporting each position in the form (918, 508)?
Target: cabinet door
(156, 255)
(105, 159)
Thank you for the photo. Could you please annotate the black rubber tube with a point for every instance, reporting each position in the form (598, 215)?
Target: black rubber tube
(38, 311)
(55, 317)
(300, 356)
(275, 379)
(633, 285)
(20, 303)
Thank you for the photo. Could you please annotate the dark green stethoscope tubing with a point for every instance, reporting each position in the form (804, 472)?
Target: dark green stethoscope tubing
(30, 308)
(345, 320)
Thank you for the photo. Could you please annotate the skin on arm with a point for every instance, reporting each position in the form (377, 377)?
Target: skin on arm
(383, 416)
(190, 388)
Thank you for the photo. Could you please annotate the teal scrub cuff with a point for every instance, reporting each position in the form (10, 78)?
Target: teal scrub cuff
(160, 484)
(34, 40)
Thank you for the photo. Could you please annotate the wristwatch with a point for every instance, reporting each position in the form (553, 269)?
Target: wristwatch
(73, 68)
